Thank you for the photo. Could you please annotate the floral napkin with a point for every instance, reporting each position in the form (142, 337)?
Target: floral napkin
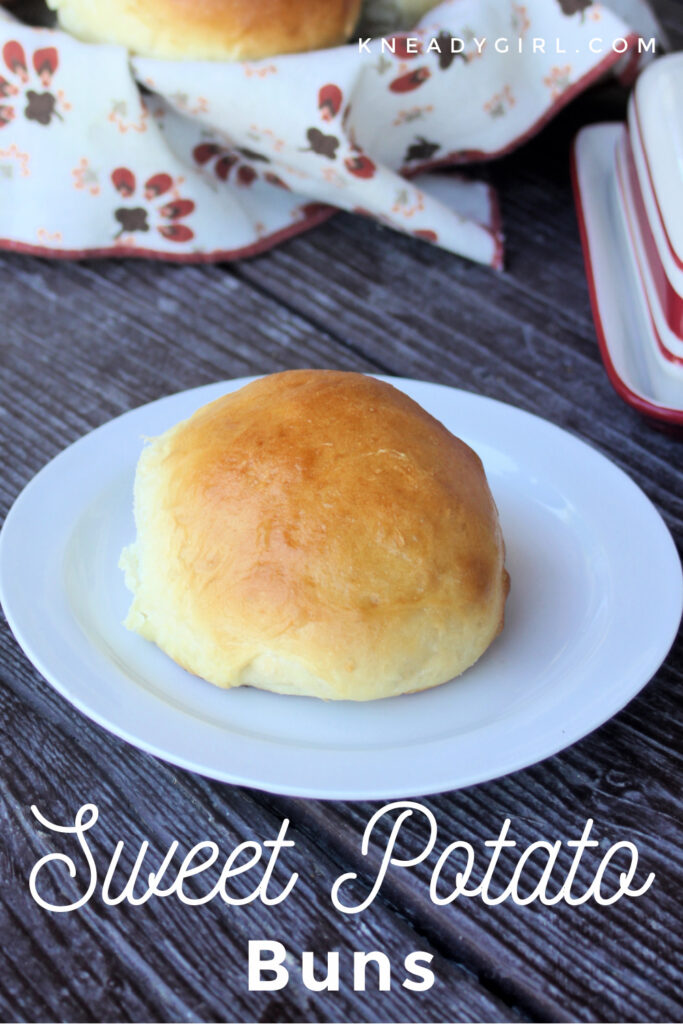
(101, 154)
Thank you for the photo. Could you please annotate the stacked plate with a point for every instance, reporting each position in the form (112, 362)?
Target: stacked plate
(629, 194)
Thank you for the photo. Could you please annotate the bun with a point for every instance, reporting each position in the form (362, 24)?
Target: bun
(316, 533)
(210, 29)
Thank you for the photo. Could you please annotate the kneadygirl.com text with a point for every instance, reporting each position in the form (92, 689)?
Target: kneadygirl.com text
(456, 46)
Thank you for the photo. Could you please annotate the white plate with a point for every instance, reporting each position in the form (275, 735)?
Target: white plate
(595, 603)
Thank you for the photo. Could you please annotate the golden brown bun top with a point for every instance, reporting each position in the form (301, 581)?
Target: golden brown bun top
(332, 483)
(211, 29)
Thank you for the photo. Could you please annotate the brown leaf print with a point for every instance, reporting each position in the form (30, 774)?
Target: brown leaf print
(570, 7)
(251, 154)
(446, 54)
(421, 150)
(406, 83)
(273, 179)
(323, 145)
(41, 107)
(131, 219)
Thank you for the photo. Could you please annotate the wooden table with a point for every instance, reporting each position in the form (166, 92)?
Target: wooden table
(81, 343)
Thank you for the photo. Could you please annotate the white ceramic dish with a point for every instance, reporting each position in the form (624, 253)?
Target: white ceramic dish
(623, 325)
(595, 604)
(668, 348)
(665, 266)
(656, 117)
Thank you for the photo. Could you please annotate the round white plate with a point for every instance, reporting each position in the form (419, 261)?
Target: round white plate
(594, 607)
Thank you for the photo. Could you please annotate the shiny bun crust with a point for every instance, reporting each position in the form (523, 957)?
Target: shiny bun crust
(316, 533)
(210, 29)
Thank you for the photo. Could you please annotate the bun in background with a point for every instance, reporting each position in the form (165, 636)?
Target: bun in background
(210, 29)
(316, 533)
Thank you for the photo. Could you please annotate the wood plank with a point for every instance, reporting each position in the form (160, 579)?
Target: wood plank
(164, 960)
(598, 963)
(98, 390)
(103, 358)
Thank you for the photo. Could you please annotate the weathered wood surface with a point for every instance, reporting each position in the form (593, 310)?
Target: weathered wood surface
(84, 342)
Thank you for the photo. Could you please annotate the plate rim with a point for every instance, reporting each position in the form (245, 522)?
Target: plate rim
(444, 781)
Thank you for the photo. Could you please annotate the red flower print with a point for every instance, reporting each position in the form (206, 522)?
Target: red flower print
(329, 101)
(360, 166)
(177, 208)
(404, 49)
(6, 88)
(414, 79)
(124, 181)
(15, 59)
(224, 165)
(172, 210)
(41, 107)
(246, 174)
(205, 151)
(46, 62)
(427, 235)
(312, 209)
(224, 160)
(177, 232)
(158, 185)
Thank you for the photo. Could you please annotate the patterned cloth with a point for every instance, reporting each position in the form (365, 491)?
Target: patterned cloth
(101, 154)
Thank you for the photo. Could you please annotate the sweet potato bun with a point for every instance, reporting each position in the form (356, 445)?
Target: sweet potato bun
(210, 29)
(316, 533)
